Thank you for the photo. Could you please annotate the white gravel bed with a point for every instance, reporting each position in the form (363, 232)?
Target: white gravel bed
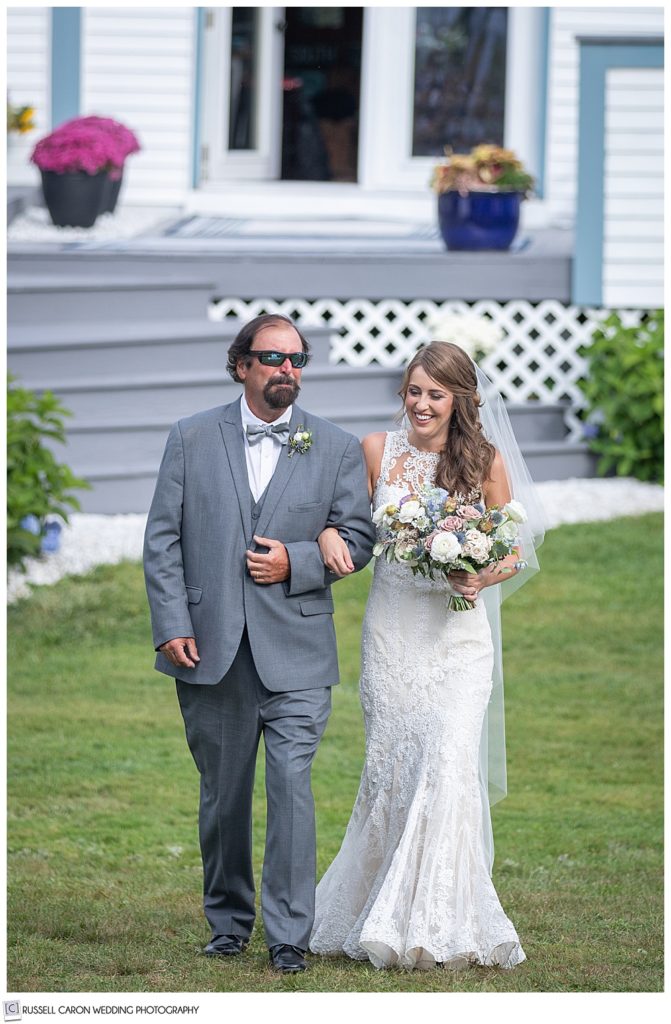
(91, 540)
(34, 225)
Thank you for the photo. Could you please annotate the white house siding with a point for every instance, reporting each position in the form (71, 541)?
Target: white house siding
(28, 83)
(566, 23)
(138, 67)
(633, 264)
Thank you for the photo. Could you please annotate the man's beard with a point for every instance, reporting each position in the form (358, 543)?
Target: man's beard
(280, 397)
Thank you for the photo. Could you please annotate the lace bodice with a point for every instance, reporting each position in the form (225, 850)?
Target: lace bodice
(405, 468)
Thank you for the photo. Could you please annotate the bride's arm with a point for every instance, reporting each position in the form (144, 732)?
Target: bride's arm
(335, 553)
(496, 492)
(373, 450)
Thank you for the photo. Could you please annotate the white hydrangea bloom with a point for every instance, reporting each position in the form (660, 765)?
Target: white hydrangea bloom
(477, 335)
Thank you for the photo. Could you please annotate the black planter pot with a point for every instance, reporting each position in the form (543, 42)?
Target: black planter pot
(73, 199)
(111, 194)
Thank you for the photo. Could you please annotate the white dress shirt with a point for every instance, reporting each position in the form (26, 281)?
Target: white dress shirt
(262, 457)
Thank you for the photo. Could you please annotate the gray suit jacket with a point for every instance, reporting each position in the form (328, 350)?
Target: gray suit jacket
(200, 524)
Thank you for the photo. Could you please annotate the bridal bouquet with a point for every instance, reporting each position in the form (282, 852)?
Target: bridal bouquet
(435, 534)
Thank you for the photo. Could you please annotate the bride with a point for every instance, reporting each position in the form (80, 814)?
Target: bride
(411, 885)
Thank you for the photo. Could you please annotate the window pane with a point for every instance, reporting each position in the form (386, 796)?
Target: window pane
(460, 73)
(242, 112)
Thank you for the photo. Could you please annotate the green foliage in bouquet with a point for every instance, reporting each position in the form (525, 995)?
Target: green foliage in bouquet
(625, 395)
(37, 485)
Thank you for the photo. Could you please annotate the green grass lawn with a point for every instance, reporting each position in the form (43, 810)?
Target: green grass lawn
(103, 862)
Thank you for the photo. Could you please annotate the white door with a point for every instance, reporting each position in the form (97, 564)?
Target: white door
(241, 112)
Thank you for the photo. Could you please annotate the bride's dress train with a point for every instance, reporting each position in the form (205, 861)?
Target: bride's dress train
(411, 884)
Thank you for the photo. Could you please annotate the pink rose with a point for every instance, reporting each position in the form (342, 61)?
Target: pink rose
(451, 523)
(428, 541)
(469, 512)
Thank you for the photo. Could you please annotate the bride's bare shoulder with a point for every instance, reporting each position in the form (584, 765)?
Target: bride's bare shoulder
(374, 443)
(373, 450)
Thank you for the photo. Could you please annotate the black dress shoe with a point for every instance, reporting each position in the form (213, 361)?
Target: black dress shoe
(287, 959)
(225, 945)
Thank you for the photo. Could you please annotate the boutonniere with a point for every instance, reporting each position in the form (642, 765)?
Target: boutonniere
(300, 441)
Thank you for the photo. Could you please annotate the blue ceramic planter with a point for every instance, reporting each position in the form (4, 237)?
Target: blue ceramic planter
(479, 220)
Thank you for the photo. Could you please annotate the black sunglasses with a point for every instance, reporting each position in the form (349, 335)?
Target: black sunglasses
(271, 358)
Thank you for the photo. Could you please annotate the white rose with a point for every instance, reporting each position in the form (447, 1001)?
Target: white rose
(507, 532)
(298, 437)
(477, 545)
(445, 547)
(516, 511)
(409, 511)
(384, 514)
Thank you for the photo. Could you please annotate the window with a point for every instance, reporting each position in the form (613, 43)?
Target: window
(459, 78)
(244, 44)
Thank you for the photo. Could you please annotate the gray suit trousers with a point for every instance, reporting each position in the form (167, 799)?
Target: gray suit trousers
(224, 724)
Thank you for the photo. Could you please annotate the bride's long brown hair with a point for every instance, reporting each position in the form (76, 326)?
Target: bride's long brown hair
(465, 461)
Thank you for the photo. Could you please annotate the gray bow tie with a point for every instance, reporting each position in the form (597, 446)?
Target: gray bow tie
(280, 431)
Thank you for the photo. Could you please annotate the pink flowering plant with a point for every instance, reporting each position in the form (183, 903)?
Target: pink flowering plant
(434, 534)
(89, 144)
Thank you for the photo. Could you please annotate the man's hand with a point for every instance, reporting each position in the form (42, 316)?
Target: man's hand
(273, 567)
(181, 651)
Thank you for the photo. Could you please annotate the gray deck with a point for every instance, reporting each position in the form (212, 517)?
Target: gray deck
(375, 260)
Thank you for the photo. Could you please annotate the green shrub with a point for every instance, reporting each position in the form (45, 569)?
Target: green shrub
(625, 395)
(37, 485)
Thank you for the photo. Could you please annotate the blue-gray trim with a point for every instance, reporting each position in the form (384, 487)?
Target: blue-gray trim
(66, 28)
(541, 126)
(596, 58)
(197, 96)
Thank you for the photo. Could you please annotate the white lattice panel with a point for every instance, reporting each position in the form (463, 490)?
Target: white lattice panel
(536, 360)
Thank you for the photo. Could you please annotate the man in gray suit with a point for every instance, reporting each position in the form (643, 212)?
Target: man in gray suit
(241, 612)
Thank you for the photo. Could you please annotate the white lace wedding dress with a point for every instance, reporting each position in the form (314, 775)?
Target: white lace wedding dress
(411, 883)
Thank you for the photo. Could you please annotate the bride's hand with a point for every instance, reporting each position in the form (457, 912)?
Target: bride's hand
(466, 584)
(335, 553)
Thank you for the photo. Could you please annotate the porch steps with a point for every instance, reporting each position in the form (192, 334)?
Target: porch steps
(49, 299)
(129, 356)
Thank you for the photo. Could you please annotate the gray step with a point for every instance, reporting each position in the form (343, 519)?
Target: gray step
(119, 492)
(121, 488)
(536, 422)
(99, 443)
(93, 444)
(50, 299)
(66, 353)
(177, 393)
(97, 448)
(559, 460)
(345, 394)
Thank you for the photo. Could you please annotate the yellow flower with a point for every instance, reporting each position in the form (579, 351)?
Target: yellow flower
(25, 119)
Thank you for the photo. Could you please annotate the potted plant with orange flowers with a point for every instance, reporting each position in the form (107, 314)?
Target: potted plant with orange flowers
(479, 197)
